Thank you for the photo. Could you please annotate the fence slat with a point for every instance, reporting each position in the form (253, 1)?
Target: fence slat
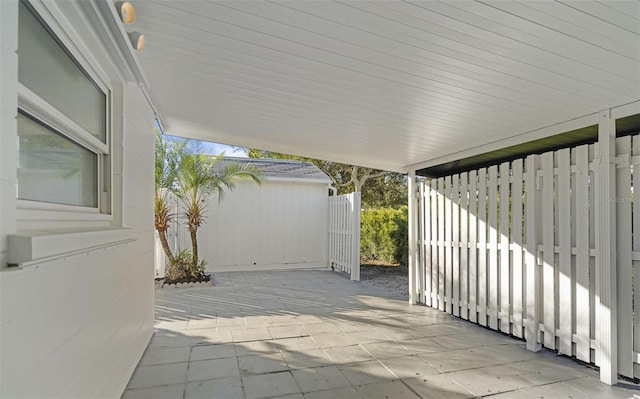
(441, 243)
(516, 237)
(464, 246)
(455, 244)
(593, 181)
(493, 248)
(435, 222)
(425, 195)
(533, 205)
(565, 278)
(482, 247)
(448, 245)
(505, 252)
(583, 323)
(421, 243)
(548, 252)
(625, 264)
(473, 246)
(636, 248)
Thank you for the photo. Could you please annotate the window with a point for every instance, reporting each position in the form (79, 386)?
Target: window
(63, 119)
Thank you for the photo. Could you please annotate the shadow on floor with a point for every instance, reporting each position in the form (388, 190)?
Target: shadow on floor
(315, 334)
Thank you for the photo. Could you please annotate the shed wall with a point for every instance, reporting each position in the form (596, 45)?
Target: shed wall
(278, 225)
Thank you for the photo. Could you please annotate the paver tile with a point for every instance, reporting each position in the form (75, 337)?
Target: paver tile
(154, 356)
(386, 390)
(437, 386)
(296, 344)
(223, 388)
(307, 358)
(340, 393)
(348, 354)
(319, 378)
(278, 332)
(268, 385)
(250, 348)
(482, 383)
(206, 352)
(243, 334)
(385, 350)
(366, 372)
(163, 374)
(210, 369)
(261, 364)
(408, 367)
(159, 392)
(210, 336)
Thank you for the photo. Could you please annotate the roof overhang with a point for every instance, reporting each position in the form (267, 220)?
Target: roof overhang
(389, 85)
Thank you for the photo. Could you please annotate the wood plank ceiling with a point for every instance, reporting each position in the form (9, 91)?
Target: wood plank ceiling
(384, 84)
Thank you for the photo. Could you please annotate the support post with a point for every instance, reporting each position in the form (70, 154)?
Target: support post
(411, 195)
(355, 244)
(606, 277)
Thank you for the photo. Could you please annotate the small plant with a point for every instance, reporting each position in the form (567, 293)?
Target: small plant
(182, 269)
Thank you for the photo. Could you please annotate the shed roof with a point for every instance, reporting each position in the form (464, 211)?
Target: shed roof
(281, 169)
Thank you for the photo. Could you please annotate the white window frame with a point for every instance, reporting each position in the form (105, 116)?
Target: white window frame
(47, 114)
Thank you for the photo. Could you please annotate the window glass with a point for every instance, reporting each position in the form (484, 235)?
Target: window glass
(54, 169)
(47, 69)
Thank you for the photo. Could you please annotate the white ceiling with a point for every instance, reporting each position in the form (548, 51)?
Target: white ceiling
(384, 84)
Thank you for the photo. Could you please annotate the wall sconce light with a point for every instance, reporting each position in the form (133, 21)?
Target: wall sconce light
(137, 40)
(126, 11)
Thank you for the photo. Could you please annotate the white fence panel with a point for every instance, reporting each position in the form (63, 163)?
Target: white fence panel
(512, 247)
(344, 234)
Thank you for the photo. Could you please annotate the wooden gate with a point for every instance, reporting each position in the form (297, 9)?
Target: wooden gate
(344, 234)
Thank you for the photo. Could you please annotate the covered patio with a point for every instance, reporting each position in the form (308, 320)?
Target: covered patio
(316, 334)
(484, 99)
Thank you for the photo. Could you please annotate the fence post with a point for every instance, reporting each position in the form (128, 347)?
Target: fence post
(355, 244)
(606, 277)
(412, 237)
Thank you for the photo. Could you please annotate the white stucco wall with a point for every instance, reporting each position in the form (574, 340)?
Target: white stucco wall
(278, 225)
(75, 325)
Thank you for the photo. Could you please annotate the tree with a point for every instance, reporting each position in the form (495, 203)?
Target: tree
(167, 155)
(198, 180)
(384, 188)
(389, 190)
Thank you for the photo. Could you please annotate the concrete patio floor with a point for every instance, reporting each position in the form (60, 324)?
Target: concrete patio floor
(315, 334)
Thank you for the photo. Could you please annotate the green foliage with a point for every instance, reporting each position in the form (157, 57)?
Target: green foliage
(389, 190)
(383, 235)
(378, 188)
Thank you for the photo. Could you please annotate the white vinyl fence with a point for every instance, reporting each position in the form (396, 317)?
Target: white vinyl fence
(343, 229)
(344, 234)
(512, 247)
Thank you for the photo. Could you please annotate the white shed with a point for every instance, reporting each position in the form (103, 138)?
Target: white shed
(281, 224)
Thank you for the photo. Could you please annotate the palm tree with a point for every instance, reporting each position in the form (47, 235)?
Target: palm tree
(167, 155)
(198, 180)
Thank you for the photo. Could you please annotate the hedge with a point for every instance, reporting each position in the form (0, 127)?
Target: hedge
(383, 235)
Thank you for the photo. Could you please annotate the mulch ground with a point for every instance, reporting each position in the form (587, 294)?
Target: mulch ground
(391, 277)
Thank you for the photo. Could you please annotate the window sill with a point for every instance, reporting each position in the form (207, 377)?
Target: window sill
(36, 246)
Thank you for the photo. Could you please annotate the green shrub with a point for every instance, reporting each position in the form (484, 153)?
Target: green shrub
(383, 235)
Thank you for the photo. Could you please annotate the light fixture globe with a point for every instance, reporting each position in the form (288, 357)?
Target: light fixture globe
(126, 11)
(137, 40)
